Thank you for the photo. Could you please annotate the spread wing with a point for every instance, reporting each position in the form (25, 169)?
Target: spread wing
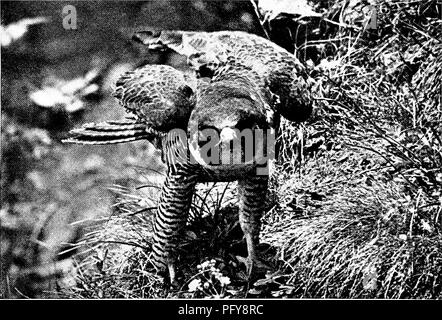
(158, 95)
(270, 66)
(222, 47)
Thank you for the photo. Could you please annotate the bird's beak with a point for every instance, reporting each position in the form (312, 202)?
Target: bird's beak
(226, 135)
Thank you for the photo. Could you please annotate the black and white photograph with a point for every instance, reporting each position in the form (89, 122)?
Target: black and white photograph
(214, 150)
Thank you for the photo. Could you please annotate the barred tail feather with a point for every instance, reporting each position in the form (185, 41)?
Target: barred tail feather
(110, 132)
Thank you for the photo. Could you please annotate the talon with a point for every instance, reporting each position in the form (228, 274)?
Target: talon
(172, 274)
(255, 267)
(249, 267)
(259, 268)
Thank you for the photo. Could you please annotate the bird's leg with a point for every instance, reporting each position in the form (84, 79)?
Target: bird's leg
(252, 196)
(172, 272)
(170, 220)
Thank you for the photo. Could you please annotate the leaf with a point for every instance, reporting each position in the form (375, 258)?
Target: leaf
(191, 235)
(426, 226)
(75, 106)
(17, 30)
(277, 293)
(254, 291)
(242, 260)
(48, 97)
(263, 282)
(271, 9)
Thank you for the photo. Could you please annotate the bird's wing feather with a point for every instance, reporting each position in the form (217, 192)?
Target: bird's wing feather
(215, 48)
(110, 132)
(229, 53)
(158, 95)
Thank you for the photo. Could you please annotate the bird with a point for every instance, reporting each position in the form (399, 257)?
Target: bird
(240, 83)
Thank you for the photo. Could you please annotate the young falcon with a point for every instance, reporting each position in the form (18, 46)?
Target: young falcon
(251, 82)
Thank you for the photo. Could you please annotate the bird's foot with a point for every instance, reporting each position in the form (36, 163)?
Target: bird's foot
(256, 268)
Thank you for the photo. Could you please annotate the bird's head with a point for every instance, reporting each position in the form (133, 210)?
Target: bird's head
(226, 127)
